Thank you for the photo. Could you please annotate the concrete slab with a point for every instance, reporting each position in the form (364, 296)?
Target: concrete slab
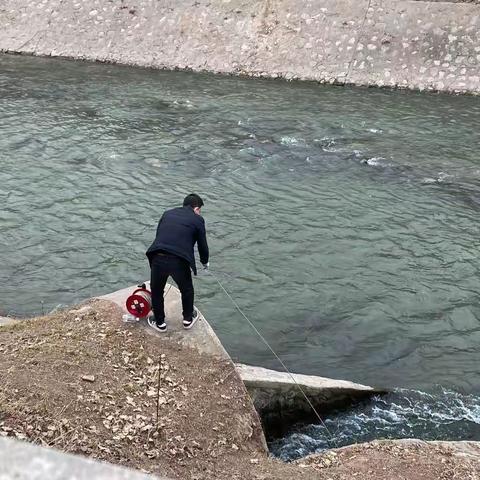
(259, 377)
(280, 402)
(201, 336)
(7, 321)
(24, 461)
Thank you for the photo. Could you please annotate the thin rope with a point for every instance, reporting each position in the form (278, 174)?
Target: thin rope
(169, 288)
(276, 356)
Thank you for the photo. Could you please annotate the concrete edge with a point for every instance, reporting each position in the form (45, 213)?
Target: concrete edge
(201, 336)
(7, 321)
(25, 461)
(265, 378)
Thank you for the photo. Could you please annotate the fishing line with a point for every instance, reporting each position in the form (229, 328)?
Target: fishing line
(169, 288)
(276, 356)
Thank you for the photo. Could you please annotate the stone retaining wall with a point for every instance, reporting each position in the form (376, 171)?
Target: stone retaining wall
(411, 44)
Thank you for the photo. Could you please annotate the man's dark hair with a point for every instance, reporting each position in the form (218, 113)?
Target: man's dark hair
(193, 200)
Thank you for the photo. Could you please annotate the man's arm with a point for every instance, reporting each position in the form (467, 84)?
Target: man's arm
(202, 243)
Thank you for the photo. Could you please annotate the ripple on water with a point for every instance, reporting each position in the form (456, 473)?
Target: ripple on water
(353, 270)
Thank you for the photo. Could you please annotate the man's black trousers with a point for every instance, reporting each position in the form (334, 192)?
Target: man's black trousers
(164, 266)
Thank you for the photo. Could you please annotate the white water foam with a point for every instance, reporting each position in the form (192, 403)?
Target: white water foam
(327, 144)
(375, 162)
(289, 141)
(441, 415)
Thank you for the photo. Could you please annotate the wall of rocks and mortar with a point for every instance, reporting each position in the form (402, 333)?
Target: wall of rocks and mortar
(411, 44)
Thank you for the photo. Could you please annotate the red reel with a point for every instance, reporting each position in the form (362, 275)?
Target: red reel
(139, 303)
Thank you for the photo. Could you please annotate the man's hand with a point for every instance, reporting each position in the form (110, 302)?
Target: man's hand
(206, 265)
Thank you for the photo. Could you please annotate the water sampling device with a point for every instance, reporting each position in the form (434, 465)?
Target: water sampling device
(139, 303)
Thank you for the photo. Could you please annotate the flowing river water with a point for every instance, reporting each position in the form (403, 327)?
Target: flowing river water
(344, 221)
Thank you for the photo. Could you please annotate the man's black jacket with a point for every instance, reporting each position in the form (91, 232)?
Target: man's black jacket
(177, 232)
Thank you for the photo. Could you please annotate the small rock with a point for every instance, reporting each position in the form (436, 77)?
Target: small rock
(88, 378)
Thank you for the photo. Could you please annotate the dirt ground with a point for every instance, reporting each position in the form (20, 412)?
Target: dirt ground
(84, 382)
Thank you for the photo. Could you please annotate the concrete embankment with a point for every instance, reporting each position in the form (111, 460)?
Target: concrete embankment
(411, 44)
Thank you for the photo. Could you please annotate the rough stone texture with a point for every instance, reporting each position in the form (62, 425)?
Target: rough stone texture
(23, 461)
(411, 44)
(280, 402)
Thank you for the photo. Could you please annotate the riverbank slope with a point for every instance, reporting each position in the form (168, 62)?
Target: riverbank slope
(84, 382)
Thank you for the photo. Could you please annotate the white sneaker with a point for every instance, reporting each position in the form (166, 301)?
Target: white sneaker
(158, 327)
(188, 324)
